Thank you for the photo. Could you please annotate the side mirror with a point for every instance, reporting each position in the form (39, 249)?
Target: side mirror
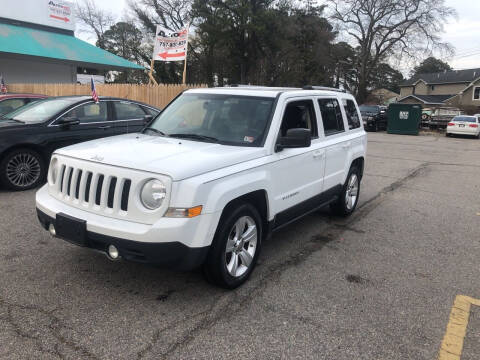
(68, 121)
(147, 119)
(296, 138)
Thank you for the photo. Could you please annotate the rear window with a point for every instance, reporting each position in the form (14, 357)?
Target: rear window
(369, 109)
(471, 119)
(352, 115)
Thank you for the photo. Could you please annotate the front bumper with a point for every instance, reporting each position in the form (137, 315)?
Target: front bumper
(180, 243)
(169, 254)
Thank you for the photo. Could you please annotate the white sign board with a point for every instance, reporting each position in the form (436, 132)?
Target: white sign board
(170, 45)
(55, 13)
(59, 12)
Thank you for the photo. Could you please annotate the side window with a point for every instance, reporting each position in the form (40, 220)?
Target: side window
(127, 111)
(299, 114)
(89, 113)
(150, 111)
(331, 116)
(352, 114)
(9, 105)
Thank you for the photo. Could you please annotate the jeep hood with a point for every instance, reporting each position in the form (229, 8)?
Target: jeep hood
(177, 158)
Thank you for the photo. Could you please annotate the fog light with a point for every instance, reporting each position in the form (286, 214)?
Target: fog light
(51, 229)
(113, 252)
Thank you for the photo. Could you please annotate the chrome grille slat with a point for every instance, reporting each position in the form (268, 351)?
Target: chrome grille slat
(73, 183)
(117, 198)
(104, 191)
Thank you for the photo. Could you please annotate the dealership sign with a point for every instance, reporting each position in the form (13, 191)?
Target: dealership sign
(54, 13)
(59, 11)
(170, 45)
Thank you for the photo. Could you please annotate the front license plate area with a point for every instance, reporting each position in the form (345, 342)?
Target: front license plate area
(71, 229)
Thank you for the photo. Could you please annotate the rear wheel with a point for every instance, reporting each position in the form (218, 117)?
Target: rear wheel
(22, 169)
(348, 199)
(236, 246)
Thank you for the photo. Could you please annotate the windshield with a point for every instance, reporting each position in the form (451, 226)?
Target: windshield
(40, 111)
(465, 118)
(370, 109)
(227, 119)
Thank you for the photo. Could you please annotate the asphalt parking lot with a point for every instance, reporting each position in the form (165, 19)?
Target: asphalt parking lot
(378, 285)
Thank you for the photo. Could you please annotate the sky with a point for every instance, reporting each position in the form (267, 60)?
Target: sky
(463, 33)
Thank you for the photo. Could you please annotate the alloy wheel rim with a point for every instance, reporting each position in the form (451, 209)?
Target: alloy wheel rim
(352, 192)
(241, 246)
(23, 170)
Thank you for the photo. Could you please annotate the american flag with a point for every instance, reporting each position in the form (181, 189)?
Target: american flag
(3, 87)
(94, 91)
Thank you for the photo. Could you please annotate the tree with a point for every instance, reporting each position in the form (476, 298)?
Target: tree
(262, 42)
(431, 65)
(95, 19)
(382, 28)
(125, 40)
(386, 77)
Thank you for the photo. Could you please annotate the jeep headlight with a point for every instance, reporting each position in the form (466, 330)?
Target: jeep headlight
(153, 193)
(53, 170)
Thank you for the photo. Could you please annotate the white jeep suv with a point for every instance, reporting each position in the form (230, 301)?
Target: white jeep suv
(210, 178)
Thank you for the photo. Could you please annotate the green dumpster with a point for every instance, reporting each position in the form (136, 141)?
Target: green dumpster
(404, 119)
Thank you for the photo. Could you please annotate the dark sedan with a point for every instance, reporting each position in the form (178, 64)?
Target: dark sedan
(29, 135)
(374, 117)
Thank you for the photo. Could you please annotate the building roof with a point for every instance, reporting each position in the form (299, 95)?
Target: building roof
(429, 99)
(28, 41)
(448, 77)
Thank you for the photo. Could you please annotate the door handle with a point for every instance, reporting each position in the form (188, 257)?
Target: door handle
(105, 127)
(318, 154)
(347, 145)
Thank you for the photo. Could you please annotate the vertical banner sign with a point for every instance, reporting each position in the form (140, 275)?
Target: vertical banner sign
(170, 45)
(59, 11)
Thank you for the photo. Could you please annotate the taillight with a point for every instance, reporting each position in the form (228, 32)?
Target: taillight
(473, 125)
(451, 124)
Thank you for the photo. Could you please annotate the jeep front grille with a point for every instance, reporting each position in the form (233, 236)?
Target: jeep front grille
(104, 189)
(94, 189)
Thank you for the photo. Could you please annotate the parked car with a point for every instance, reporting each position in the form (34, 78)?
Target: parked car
(426, 115)
(464, 125)
(442, 116)
(10, 102)
(208, 180)
(374, 117)
(30, 134)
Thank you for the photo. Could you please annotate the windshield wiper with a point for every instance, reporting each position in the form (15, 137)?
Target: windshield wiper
(155, 131)
(195, 137)
(10, 119)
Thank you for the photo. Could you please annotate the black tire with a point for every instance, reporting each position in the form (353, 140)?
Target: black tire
(36, 169)
(215, 267)
(340, 207)
(447, 134)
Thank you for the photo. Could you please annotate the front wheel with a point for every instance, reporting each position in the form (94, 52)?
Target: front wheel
(235, 247)
(348, 199)
(22, 169)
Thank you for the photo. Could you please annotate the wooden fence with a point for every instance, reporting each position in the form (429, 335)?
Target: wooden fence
(156, 95)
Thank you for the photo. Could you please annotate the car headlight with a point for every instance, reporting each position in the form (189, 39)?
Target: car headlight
(53, 170)
(153, 193)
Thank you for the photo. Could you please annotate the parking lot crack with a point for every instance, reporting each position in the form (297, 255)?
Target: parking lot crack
(54, 326)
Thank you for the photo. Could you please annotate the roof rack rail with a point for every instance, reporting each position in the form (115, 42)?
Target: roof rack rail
(312, 87)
